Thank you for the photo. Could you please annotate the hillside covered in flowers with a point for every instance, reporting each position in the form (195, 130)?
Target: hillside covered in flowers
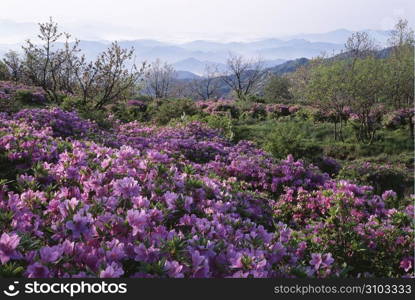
(137, 200)
(112, 169)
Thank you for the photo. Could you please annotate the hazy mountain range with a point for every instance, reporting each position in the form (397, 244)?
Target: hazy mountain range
(194, 56)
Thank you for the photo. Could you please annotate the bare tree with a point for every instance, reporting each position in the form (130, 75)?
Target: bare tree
(109, 77)
(243, 75)
(360, 45)
(159, 79)
(14, 64)
(43, 64)
(85, 74)
(208, 86)
(401, 35)
(181, 89)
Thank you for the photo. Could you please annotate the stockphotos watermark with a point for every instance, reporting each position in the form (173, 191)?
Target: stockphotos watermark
(71, 289)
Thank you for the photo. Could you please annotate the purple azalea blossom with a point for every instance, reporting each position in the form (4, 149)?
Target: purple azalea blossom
(80, 225)
(127, 187)
(112, 271)
(137, 220)
(8, 245)
(406, 264)
(50, 254)
(37, 270)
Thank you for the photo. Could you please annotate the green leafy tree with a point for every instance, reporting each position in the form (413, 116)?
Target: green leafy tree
(367, 89)
(277, 89)
(328, 90)
(400, 70)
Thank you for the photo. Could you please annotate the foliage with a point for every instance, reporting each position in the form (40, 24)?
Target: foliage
(163, 111)
(381, 177)
(4, 72)
(277, 89)
(292, 138)
(223, 123)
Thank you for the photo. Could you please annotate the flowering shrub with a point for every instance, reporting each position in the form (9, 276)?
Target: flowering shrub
(219, 107)
(398, 118)
(329, 165)
(182, 201)
(247, 109)
(381, 176)
(15, 92)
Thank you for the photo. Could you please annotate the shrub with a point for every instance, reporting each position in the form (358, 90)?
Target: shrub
(341, 151)
(100, 117)
(70, 103)
(163, 111)
(181, 201)
(277, 89)
(382, 177)
(4, 72)
(26, 97)
(291, 138)
(328, 165)
(133, 110)
(250, 110)
(87, 111)
(223, 123)
(220, 107)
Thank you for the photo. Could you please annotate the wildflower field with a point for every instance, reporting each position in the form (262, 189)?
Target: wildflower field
(137, 200)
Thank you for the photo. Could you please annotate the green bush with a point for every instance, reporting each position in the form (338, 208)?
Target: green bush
(277, 90)
(382, 177)
(128, 113)
(341, 150)
(163, 111)
(87, 111)
(292, 138)
(28, 98)
(70, 103)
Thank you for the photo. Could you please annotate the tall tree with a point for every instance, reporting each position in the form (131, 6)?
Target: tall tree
(328, 90)
(400, 71)
(42, 64)
(277, 89)
(115, 79)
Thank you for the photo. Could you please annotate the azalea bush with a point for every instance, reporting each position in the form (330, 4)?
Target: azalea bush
(182, 201)
(14, 96)
(381, 176)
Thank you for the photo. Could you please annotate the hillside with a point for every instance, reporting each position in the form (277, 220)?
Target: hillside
(177, 201)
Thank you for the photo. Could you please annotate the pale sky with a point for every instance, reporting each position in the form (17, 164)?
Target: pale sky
(208, 19)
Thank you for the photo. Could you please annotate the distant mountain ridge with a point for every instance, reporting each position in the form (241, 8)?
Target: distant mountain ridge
(340, 36)
(195, 55)
(293, 65)
(198, 67)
